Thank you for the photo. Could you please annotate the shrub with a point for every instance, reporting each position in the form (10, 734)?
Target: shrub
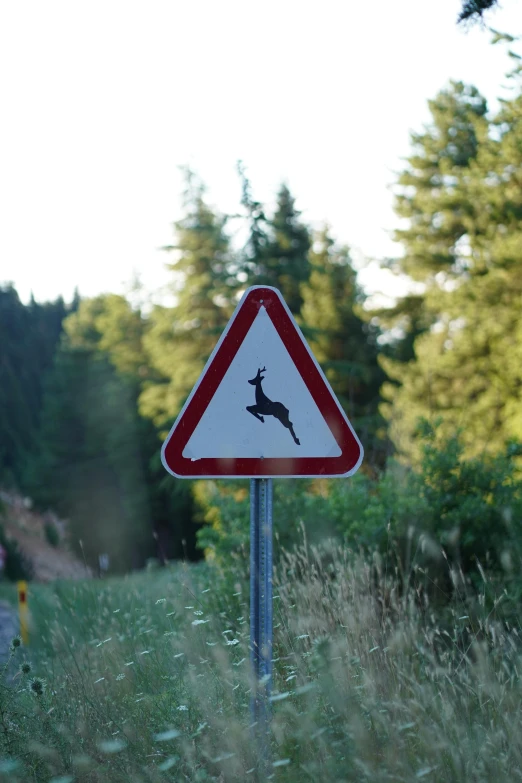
(467, 512)
(52, 535)
(452, 516)
(475, 505)
(17, 566)
(225, 507)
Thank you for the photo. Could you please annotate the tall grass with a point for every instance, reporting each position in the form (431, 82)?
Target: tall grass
(147, 679)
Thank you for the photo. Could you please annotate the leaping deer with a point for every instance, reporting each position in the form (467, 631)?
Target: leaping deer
(266, 407)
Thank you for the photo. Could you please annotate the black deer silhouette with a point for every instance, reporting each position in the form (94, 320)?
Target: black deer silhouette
(266, 407)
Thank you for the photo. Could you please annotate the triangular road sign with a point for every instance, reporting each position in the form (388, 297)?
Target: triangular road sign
(262, 406)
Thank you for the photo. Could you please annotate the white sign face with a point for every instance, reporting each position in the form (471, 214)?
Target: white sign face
(227, 429)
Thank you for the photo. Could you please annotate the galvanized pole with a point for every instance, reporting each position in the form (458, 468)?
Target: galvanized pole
(261, 616)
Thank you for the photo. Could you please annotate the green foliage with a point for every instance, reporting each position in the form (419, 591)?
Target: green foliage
(225, 510)
(277, 248)
(452, 513)
(342, 341)
(431, 196)
(17, 566)
(109, 325)
(98, 460)
(171, 509)
(475, 504)
(52, 535)
(461, 199)
(224, 513)
(369, 513)
(179, 340)
(28, 338)
(90, 466)
(468, 511)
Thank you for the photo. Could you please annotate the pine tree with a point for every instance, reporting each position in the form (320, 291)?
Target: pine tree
(342, 341)
(180, 339)
(91, 466)
(432, 196)
(276, 252)
(461, 195)
(28, 338)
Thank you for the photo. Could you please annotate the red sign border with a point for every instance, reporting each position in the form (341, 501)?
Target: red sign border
(253, 467)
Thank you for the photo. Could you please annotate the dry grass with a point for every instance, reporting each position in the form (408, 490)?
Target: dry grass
(147, 680)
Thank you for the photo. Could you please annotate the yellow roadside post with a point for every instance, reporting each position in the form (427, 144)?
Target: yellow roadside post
(22, 608)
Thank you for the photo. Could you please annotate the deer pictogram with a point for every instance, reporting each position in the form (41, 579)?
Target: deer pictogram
(266, 407)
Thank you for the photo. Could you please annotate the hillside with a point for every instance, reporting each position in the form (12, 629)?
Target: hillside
(28, 528)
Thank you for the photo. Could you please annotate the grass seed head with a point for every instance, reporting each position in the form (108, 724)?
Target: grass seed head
(16, 642)
(37, 686)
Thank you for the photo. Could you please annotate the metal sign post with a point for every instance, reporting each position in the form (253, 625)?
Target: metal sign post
(261, 615)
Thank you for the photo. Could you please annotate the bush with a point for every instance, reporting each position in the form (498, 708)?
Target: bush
(475, 505)
(452, 516)
(52, 535)
(17, 567)
(225, 507)
(465, 515)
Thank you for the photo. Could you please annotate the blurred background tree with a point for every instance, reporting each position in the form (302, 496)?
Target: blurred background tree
(89, 390)
(461, 198)
(179, 339)
(276, 251)
(343, 341)
(28, 338)
(90, 464)
(473, 10)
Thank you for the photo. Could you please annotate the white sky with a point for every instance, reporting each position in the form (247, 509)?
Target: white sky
(101, 101)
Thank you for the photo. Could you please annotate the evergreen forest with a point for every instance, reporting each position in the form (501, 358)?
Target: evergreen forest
(431, 384)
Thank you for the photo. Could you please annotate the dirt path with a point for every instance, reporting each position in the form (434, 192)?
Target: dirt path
(9, 627)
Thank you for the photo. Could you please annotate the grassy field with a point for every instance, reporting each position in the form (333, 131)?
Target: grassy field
(146, 678)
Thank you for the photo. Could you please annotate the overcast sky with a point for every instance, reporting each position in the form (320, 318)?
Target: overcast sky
(102, 101)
